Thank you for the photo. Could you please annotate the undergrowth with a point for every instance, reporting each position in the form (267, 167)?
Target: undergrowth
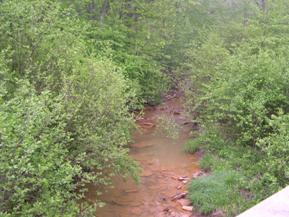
(239, 89)
(217, 191)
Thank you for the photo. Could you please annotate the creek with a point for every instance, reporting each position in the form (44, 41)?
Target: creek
(162, 161)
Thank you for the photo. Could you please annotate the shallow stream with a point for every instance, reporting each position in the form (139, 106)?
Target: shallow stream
(163, 162)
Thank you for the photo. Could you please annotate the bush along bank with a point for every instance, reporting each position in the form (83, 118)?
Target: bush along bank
(242, 100)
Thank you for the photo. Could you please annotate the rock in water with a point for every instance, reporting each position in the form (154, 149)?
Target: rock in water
(184, 202)
(197, 174)
(187, 208)
(218, 213)
(179, 196)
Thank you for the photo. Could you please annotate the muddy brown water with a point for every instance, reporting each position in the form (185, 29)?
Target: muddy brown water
(162, 160)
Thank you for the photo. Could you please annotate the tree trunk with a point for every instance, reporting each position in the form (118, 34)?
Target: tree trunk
(104, 10)
(262, 4)
(91, 9)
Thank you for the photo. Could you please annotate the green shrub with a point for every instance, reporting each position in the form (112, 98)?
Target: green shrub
(144, 74)
(251, 92)
(37, 177)
(243, 99)
(99, 119)
(44, 42)
(275, 148)
(210, 138)
(64, 113)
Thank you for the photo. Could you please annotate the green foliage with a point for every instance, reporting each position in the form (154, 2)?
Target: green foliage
(36, 175)
(43, 57)
(64, 112)
(275, 149)
(216, 191)
(242, 98)
(143, 73)
(207, 162)
(253, 90)
(98, 118)
(5, 78)
(204, 59)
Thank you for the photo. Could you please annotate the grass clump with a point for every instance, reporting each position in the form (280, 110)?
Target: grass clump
(191, 146)
(207, 162)
(168, 127)
(216, 191)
